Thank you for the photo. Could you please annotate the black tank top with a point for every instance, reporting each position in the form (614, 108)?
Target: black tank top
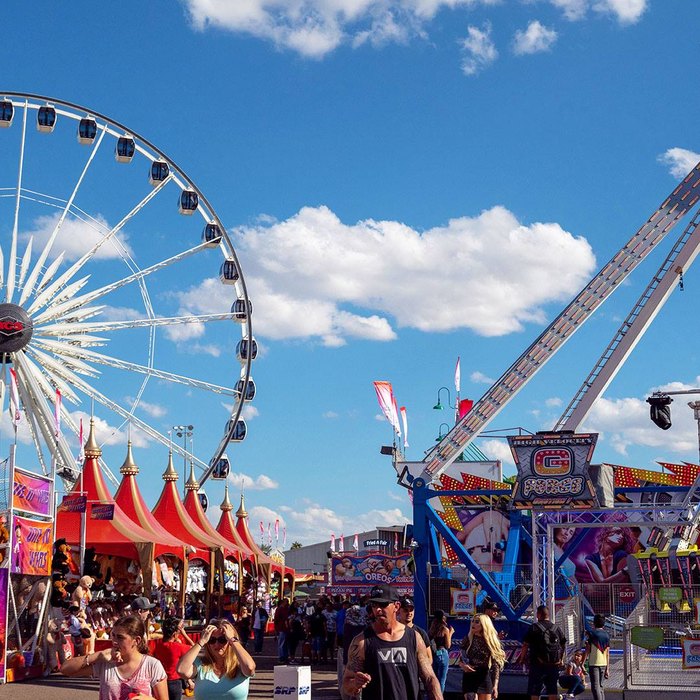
(393, 667)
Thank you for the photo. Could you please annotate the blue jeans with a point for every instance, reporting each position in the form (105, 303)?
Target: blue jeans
(441, 662)
(572, 684)
(258, 636)
(596, 673)
(282, 653)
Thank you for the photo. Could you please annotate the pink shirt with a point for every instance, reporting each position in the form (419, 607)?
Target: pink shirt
(114, 687)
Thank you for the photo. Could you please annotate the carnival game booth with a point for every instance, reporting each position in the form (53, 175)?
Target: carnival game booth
(118, 541)
(205, 559)
(249, 564)
(171, 561)
(228, 581)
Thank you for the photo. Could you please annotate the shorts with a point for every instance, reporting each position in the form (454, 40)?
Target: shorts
(479, 681)
(547, 676)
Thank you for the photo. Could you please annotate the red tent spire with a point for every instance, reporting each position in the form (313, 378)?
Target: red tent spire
(244, 532)
(227, 528)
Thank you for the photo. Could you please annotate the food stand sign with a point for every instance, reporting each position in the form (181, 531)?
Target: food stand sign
(462, 602)
(553, 470)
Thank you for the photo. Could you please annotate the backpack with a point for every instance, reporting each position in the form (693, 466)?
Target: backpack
(550, 652)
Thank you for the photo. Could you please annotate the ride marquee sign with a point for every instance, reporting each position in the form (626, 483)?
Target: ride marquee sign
(553, 470)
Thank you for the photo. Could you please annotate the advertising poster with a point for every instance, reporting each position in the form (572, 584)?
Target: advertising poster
(691, 652)
(553, 470)
(370, 570)
(462, 601)
(32, 543)
(4, 581)
(73, 503)
(484, 534)
(102, 511)
(31, 493)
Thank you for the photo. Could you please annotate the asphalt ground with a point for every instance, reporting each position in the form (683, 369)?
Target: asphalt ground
(57, 687)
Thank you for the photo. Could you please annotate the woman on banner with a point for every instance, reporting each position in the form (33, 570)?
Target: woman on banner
(125, 670)
(608, 564)
(226, 668)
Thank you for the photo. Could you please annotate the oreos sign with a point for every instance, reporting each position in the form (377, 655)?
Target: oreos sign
(16, 328)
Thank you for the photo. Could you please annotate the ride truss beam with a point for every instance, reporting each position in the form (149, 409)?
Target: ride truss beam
(683, 198)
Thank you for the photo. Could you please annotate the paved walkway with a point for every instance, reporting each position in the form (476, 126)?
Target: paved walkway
(57, 687)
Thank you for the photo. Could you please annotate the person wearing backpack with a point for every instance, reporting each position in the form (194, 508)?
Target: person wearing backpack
(546, 644)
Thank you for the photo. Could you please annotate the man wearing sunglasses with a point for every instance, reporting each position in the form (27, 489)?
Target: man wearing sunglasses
(387, 659)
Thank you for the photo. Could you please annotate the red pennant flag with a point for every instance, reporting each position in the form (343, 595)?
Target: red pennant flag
(465, 405)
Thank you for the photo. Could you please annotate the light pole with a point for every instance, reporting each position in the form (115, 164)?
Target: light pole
(184, 432)
(695, 405)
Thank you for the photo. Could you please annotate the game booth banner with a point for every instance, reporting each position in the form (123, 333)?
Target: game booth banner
(31, 493)
(553, 470)
(4, 582)
(353, 574)
(32, 542)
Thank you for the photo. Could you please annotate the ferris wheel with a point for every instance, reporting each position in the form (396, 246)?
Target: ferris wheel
(119, 289)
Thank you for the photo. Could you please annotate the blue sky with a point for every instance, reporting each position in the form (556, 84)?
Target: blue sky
(405, 181)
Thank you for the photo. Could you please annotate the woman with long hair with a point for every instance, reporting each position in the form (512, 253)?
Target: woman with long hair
(125, 670)
(226, 667)
(482, 659)
(440, 633)
(608, 564)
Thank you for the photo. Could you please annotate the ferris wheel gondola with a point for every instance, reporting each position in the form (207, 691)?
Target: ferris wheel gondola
(112, 313)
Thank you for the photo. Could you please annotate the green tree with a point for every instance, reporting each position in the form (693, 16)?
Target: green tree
(266, 548)
(295, 545)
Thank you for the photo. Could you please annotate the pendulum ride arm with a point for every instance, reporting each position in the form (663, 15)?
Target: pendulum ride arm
(677, 205)
(679, 259)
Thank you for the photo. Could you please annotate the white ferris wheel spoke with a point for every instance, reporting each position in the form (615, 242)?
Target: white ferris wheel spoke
(56, 310)
(39, 407)
(26, 259)
(12, 262)
(34, 275)
(53, 288)
(71, 351)
(62, 329)
(67, 368)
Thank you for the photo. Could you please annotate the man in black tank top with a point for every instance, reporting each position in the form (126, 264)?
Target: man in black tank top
(387, 659)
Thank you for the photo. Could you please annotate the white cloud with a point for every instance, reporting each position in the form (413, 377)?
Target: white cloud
(497, 449)
(313, 28)
(625, 421)
(243, 482)
(152, 409)
(120, 313)
(331, 415)
(314, 522)
(76, 237)
(481, 378)
(249, 412)
(554, 402)
(478, 49)
(624, 11)
(302, 273)
(534, 39)
(680, 161)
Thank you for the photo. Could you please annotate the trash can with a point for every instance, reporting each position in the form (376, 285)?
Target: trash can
(292, 683)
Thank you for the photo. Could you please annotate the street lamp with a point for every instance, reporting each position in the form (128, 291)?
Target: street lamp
(440, 433)
(184, 432)
(438, 406)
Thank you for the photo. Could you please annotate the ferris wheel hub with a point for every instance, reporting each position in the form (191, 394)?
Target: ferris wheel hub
(16, 328)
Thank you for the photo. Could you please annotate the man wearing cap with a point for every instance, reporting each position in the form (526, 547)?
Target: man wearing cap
(142, 606)
(387, 659)
(405, 615)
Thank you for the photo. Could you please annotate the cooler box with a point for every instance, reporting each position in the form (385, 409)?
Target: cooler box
(292, 682)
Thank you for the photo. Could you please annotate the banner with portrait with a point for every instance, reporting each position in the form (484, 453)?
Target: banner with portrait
(31, 493)
(553, 470)
(370, 570)
(4, 583)
(32, 542)
(484, 534)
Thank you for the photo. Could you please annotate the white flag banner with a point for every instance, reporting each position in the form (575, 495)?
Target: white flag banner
(332, 542)
(458, 377)
(387, 402)
(14, 398)
(404, 420)
(356, 544)
(341, 545)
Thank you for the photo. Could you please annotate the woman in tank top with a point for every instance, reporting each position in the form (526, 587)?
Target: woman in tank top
(440, 633)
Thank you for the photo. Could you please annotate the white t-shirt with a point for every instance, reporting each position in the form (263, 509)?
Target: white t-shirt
(114, 687)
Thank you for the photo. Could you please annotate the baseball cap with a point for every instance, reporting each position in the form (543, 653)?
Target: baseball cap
(491, 605)
(407, 602)
(142, 603)
(384, 594)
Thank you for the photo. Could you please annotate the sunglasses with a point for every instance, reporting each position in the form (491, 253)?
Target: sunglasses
(218, 640)
(380, 605)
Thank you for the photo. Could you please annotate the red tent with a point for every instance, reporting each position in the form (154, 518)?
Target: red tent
(227, 528)
(119, 536)
(130, 500)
